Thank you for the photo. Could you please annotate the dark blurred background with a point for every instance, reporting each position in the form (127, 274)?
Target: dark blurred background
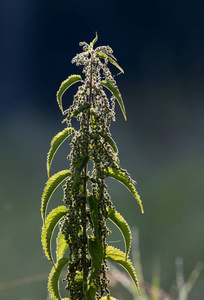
(160, 45)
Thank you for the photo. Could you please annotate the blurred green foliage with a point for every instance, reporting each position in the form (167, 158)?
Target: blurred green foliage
(179, 289)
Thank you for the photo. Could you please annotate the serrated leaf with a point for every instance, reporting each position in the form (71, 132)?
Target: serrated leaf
(55, 144)
(115, 91)
(111, 142)
(121, 177)
(93, 205)
(51, 185)
(94, 41)
(104, 55)
(53, 281)
(48, 228)
(119, 257)
(113, 62)
(96, 252)
(120, 222)
(61, 245)
(64, 86)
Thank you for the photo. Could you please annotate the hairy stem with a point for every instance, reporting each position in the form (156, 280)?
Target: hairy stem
(84, 251)
(89, 101)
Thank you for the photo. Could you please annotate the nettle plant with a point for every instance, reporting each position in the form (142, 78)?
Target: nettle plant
(81, 244)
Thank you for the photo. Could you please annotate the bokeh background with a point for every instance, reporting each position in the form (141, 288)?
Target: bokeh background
(160, 45)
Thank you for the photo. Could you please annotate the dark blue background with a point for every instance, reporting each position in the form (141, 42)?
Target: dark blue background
(155, 41)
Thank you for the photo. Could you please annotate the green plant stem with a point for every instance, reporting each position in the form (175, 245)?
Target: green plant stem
(85, 272)
(89, 101)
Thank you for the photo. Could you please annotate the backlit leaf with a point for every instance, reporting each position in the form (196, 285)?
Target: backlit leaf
(96, 252)
(53, 281)
(111, 142)
(114, 90)
(61, 245)
(112, 61)
(104, 55)
(94, 41)
(120, 222)
(121, 177)
(64, 86)
(51, 185)
(55, 144)
(113, 56)
(119, 257)
(48, 228)
(101, 55)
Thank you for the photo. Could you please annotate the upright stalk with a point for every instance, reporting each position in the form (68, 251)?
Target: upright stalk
(82, 218)
(87, 149)
(84, 210)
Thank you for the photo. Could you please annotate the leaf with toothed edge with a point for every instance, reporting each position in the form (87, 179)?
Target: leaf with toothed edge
(111, 142)
(64, 86)
(115, 91)
(121, 177)
(112, 61)
(51, 185)
(119, 257)
(48, 228)
(120, 222)
(61, 245)
(55, 144)
(53, 281)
